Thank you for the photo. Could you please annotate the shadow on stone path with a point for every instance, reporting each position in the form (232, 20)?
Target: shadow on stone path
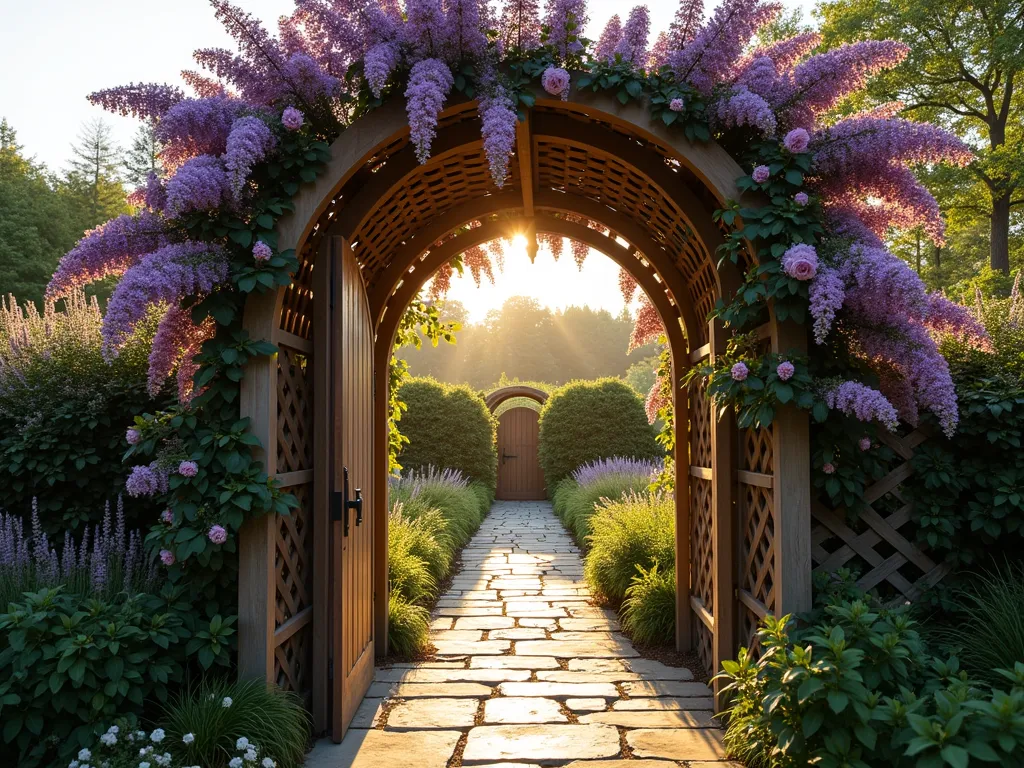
(528, 673)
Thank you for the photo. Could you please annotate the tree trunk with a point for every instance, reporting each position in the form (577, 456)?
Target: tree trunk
(1000, 231)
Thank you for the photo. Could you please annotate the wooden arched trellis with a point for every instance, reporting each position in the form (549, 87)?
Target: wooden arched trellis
(743, 497)
(499, 396)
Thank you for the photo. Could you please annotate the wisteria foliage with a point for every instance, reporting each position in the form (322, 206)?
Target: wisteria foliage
(331, 60)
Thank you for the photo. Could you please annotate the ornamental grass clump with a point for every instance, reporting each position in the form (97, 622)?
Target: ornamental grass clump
(649, 611)
(636, 531)
(575, 503)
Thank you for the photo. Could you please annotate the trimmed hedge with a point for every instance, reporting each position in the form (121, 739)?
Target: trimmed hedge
(588, 420)
(448, 426)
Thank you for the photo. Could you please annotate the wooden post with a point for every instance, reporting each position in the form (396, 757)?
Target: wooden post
(723, 432)
(681, 413)
(791, 459)
(256, 578)
(381, 361)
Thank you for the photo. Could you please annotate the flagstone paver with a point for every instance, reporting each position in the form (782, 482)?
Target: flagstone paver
(528, 673)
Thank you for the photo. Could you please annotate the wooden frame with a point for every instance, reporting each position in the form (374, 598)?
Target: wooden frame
(588, 169)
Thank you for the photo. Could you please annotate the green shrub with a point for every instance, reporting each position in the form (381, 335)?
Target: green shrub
(575, 504)
(588, 420)
(649, 610)
(860, 689)
(64, 411)
(69, 664)
(408, 626)
(988, 630)
(274, 720)
(416, 557)
(637, 530)
(448, 426)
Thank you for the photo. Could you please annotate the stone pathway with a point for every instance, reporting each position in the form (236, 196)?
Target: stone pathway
(528, 673)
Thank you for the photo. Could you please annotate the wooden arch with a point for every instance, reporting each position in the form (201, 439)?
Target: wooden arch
(587, 168)
(499, 396)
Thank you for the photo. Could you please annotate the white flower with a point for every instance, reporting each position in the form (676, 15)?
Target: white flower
(145, 751)
(113, 729)
(140, 734)
(108, 739)
(84, 755)
(236, 762)
(242, 743)
(143, 765)
(188, 738)
(73, 764)
(268, 763)
(250, 755)
(226, 702)
(157, 736)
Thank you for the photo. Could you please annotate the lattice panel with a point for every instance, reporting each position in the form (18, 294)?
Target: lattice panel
(755, 508)
(293, 662)
(293, 557)
(877, 543)
(700, 427)
(702, 585)
(573, 168)
(294, 411)
(756, 450)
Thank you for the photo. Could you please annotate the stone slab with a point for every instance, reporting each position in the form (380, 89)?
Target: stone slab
(561, 676)
(560, 690)
(471, 648)
(665, 719)
(463, 610)
(513, 662)
(539, 613)
(586, 705)
(367, 713)
(665, 688)
(623, 764)
(452, 675)
(456, 635)
(420, 714)
(596, 665)
(677, 743)
(441, 690)
(667, 703)
(515, 709)
(385, 749)
(589, 625)
(541, 623)
(563, 649)
(650, 669)
(517, 633)
(484, 622)
(542, 744)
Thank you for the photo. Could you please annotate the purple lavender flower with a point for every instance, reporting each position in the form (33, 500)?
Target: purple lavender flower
(142, 481)
(133, 436)
(429, 83)
(677, 105)
(217, 534)
(166, 557)
(587, 474)
(556, 82)
(797, 140)
(739, 371)
(801, 198)
(261, 252)
(800, 261)
(785, 370)
(761, 174)
(292, 119)
(188, 469)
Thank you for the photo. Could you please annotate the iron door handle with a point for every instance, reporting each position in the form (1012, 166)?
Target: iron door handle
(341, 504)
(508, 456)
(357, 505)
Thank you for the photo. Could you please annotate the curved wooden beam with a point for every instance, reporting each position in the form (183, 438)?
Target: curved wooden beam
(499, 396)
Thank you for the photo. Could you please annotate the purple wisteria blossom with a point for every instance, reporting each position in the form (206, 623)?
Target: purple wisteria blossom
(498, 115)
(945, 317)
(745, 108)
(425, 30)
(248, 143)
(786, 53)
(686, 23)
(632, 46)
(657, 57)
(827, 294)
(145, 101)
(143, 481)
(605, 50)
(861, 401)
(166, 275)
(519, 27)
(565, 20)
(429, 84)
(196, 127)
(587, 474)
(463, 34)
(380, 61)
(201, 184)
(176, 342)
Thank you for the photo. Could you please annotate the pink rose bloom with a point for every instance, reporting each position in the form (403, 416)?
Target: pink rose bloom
(292, 119)
(785, 370)
(761, 174)
(556, 82)
(796, 141)
(739, 372)
(217, 534)
(188, 469)
(261, 251)
(865, 443)
(166, 557)
(800, 261)
(800, 198)
(133, 436)
(828, 468)
(677, 105)
(167, 516)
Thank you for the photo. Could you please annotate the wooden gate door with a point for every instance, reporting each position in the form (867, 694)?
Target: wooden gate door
(519, 474)
(351, 505)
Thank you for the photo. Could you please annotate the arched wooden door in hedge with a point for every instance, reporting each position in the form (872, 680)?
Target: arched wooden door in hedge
(519, 474)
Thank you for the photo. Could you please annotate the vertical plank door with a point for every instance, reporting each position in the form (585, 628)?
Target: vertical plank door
(519, 474)
(352, 641)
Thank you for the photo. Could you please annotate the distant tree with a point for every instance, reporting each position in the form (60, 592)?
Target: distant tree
(142, 157)
(965, 71)
(640, 375)
(94, 173)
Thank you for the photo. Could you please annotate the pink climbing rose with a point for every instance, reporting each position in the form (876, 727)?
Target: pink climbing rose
(761, 174)
(292, 119)
(828, 468)
(739, 371)
(800, 261)
(785, 370)
(801, 198)
(797, 141)
(556, 82)
(217, 534)
(677, 105)
(261, 252)
(865, 443)
(188, 469)
(166, 557)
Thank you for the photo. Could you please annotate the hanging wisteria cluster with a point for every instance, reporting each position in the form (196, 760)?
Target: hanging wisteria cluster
(259, 110)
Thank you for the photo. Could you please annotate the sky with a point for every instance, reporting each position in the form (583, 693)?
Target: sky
(55, 52)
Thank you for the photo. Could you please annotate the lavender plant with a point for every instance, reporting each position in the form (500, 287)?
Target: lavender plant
(107, 560)
(616, 465)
